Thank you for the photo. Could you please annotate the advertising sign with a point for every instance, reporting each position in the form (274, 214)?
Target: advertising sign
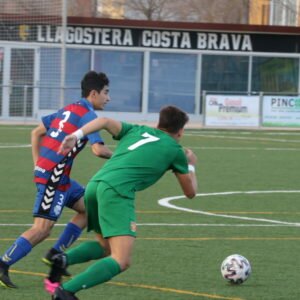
(231, 111)
(150, 38)
(281, 111)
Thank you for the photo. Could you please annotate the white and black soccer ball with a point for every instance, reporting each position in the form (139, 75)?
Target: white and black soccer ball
(236, 269)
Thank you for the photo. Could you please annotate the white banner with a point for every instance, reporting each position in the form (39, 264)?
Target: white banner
(233, 111)
(281, 111)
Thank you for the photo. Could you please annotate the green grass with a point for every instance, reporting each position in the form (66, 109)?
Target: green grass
(181, 262)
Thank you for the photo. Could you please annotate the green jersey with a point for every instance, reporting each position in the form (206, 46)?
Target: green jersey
(142, 156)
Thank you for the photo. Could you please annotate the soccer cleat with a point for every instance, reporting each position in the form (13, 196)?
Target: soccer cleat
(60, 260)
(4, 278)
(58, 268)
(61, 294)
(50, 286)
(48, 259)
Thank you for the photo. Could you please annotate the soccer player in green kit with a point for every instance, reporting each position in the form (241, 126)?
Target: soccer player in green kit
(142, 156)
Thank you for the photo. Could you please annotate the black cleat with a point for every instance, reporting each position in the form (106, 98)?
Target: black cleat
(48, 259)
(4, 278)
(58, 268)
(61, 294)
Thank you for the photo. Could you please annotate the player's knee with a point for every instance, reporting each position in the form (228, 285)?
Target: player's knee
(107, 251)
(42, 232)
(80, 219)
(79, 206)
(125, 266)
(124, 263)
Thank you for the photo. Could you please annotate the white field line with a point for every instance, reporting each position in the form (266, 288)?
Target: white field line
(9, 127)
(166, 203)
(213, 225)
(244, 148)
(175, 225)
(14, 146)
(228, 132)
(232, 135)
(6, 146)
(243, 138)
(254, 132)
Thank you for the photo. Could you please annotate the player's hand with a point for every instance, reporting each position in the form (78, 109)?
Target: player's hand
(67, 144)
(191, 157)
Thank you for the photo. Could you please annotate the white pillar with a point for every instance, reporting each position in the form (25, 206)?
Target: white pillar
(63, 52)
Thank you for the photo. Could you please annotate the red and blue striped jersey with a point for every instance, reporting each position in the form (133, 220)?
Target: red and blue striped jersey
(49, 166)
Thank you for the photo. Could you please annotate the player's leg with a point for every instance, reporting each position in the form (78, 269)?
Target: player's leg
(121, 250)
(104, 269)
(86, 251)
(45, 215)
(22, 246)
(70, 234)
(39, 231)
(92, 249)
(73, 229)
(116, 219)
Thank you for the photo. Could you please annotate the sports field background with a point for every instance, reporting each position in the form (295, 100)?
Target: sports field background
(178, 253)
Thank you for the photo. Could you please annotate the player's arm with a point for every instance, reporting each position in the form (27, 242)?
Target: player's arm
(188, 182)
(97, 144)
(112, 126)
(36, 135)
(101, 150)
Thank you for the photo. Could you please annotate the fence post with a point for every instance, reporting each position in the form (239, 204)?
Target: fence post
(63, 52)
(261, 96)
(203, 107)
(25, 102)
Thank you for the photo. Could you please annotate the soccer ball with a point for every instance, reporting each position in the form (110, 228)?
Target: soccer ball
(236, 269)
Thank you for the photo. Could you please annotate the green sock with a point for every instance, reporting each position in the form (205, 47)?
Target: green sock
(84, 252)
(101, 271)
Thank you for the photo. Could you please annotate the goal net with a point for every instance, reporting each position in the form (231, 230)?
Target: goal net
(31, 70)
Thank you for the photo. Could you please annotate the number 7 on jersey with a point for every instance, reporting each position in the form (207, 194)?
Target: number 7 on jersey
(148, 138)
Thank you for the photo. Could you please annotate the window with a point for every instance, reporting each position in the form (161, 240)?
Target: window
(78, 63)
(275, 74)
(50, 73)
(224, 73)
(22, 80)
(124, 70)
(172, 81)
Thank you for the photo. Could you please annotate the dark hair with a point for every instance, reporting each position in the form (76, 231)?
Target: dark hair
(172, 119)
(93, 81)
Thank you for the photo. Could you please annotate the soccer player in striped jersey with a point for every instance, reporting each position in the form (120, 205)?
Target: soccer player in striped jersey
(55, 189)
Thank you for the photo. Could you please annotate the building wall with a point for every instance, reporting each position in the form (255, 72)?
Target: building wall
(82, 8)
(298, 13)
(150, 64)
(259, 12)
(31, 7)
(111, 9)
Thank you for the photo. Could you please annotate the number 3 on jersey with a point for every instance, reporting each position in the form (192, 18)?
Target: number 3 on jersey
(55, 134)
(148, 138)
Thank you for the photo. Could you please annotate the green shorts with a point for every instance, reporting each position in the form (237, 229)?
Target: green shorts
(108, 212)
